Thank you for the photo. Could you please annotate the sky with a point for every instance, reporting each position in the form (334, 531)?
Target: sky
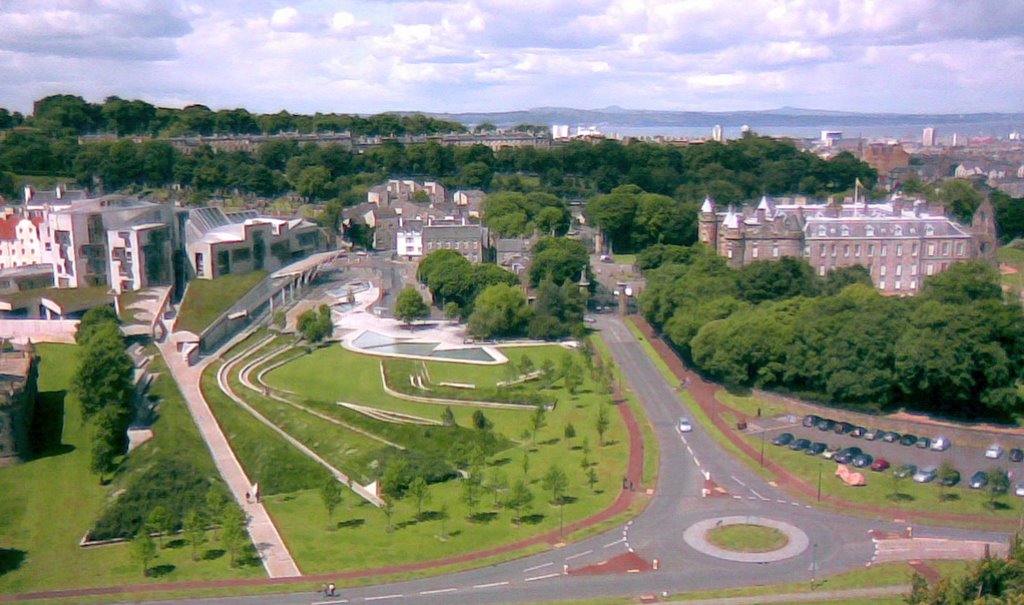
(369, 56)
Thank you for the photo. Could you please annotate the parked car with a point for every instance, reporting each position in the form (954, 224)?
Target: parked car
(830, 453)
(846, 456)
(923, 443)
(826, 424)
(782, 439)
(926, 474)
(811, 420)
(890, 437)
(863, 460)
(905, 470)
(1016, 455)
(1019, 489)
(879, 465)
(816, 449)
(800, 444)
(858, 432)
(871, 434)
(994, 451)
(908, 440)
(978, 480)
(941, 444)
(951, 480)
(841, 428)
(685, 426)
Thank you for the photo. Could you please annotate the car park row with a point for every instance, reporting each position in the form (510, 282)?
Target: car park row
(857, 457)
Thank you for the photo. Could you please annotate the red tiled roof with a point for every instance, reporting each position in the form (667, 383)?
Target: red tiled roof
(8, 227)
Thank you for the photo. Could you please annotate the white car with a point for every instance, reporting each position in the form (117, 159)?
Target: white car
(994, 451)
(685, 426)
(940, 444)
(1019, 490)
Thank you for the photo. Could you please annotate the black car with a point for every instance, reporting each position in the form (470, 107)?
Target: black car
(858, 432)
(923, 443)
(1016, 455)
(863, 460)
(951, 480)
(842, 428)
(891, 437)
(782, 439)
(811, 420)
(800, 445)
(847, 455)
(816, 449)
(908, 440)
(826, 424)
(905, 470)
(978, 480)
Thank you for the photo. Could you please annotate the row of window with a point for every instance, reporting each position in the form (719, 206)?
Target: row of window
(932, 249)
(457, 245)
(869, 230)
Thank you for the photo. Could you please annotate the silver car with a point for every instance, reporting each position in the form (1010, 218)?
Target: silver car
(926, 474)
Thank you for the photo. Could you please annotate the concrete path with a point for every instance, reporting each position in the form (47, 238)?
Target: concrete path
(271, 547)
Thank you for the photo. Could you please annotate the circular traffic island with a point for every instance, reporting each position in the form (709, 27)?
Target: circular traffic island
(746, 539)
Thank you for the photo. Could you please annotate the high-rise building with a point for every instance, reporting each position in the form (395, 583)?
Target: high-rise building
(928, 137)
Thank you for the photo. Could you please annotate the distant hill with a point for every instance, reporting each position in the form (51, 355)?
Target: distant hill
(782, 117)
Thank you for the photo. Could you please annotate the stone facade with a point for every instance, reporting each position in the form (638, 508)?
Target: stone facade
(901, 242)
(17, 404)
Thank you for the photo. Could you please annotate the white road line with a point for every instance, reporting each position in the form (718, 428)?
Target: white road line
(545, 577)
(381, 598)
(751, 498)
(535, 568)
(609, 545)
(763, 499)
(578, 555)
(737, 497)
(697, 462)
(491, 585)
(329, 602)
(438, 591)
(781, 501)
(689, 450)
(795, 503)
(734, 478)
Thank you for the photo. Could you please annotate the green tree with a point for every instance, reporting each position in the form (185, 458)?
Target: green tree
(591, 478)
(497, 482)
(519, 499)
(452, 310)
(557, 482)
(195, 530)
(471, 492)
(108, 440)
(442, 516)
(143, 550)
(331, 495)
(998, 484)
(947, 473)
(105, 373)
(314, 183)
(159, 522)
(92, 320)
(570, 432)
(409, 306)
(389, 513)
(572, 373)
(480, 422)
(233, 534)
(216, 503)
(500, 311)
(601, 423)
(315, 325)
(448, 417)
(419, 491)
(538, 420)
(560, 258)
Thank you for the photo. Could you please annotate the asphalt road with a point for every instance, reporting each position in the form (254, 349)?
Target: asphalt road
(838, 543)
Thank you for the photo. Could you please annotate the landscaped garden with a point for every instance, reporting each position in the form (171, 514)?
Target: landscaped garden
(457, 477)
(50, 502)
(206, 299)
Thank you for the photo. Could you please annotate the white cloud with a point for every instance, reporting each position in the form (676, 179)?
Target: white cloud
(374, 55)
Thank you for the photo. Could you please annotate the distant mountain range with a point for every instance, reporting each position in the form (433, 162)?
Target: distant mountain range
(613, 116)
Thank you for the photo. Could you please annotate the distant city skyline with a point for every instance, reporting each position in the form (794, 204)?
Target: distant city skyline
(370, 56)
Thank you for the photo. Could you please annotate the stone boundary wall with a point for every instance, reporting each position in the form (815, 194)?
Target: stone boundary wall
(40, 330)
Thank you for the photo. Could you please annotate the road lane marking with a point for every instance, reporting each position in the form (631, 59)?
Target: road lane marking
(578, 555)
(545, 577)
(329, 602)
(763, 499)
(697, 462)
(609, 545)
(381, 598)
(535, 568)
(438, 591)
(736, 479)
(491, 585)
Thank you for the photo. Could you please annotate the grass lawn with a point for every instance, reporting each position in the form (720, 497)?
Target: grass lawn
(1014, 258)
(358, 536)
(50, 502)
(743, 537)
(206, 299)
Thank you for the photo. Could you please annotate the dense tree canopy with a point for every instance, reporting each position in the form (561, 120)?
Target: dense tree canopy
(500, 311)
(560, 259)
(956, 350)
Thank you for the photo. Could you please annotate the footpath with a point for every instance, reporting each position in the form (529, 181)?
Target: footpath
(188, 379)
(703, 393)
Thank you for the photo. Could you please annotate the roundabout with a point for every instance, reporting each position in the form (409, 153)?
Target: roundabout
(697, 537)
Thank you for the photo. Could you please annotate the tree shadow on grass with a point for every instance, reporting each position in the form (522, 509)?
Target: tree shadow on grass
(949, 498)
(11, 559)
(482, 517)
(551, 441)
(176, 543)
(611, 442)
(997, 506)
(533, 519)
(568, 499)
(249, 557)
(213, 554)
(900, 497)
(351, 523)
(47, 429)
(501, 461)
(160, 570)
(430, 515)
